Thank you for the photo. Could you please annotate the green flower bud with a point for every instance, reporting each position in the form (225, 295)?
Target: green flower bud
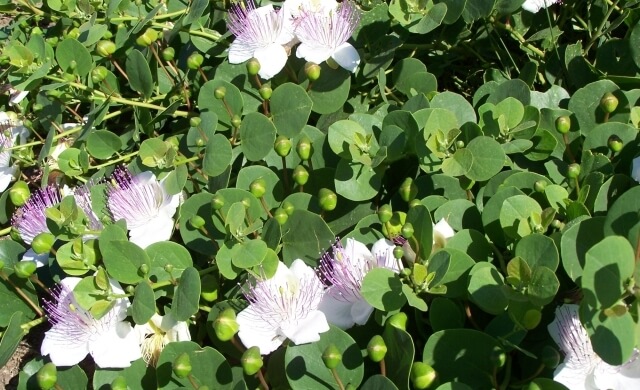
(531, 319)
(43, 242)
(210, 286)
(19, 193)
(217, 202)
(376, 349)
(407, 230)
(398, 320)
(98, 74)
(563, 124)
(393, 228)
(288, 207)
(105, 48)
(557, 224)
(540, 185)
(300, 175)
(168, 268)
(615, 144)
(609, 103)
(398, 252)
(422, 375)
(24, 269)
(498, 358)
(200, 142)
(532, 386)
(70, 77)
(251, 361)
(406, 272)
(226, 325)
(460, 144)
(150, 35)
(280, 216)
(168, 53)
(304, 148)
(182, 365)
(220, 92)
(236, 121)
(550, 357)
(327, 199)
(47, 376)
(120, 383)
(195, 61)
(74, 33)
(197, 221)
(253, 66)
(312, 70)
(72, 65)
(107, 35)
(331, 356)
(408, 190)
(265, 92)
(195, 121)
(258, 187)
(385, 213)
(573, 171)
(130, 289)
(246, 202)
(414, 203)
(144, 269)
(282, 146)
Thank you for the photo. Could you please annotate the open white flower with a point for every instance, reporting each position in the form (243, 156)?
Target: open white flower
(75, 332)
(12, 132)
(260, 34)
(157, 333)
(282, 307)
(534, 6)
(325, 36)
(344, 268)
(144, 203)
(442, 231)
(582, 368)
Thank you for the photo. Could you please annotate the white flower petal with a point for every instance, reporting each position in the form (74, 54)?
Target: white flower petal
(272, 59)
(6, 175)
(383, 251)
(635, 169)
(256, 333)
(337, 311)
(63, 350)
(301, 270)
(239, 53)
(306, 330)
(155, 230)
(313, 53)
(41, 259)
(573, 377)
(17, 96)
(361, 311)
(117, 347)
(347, 57)
(358, 253)
(443, 229)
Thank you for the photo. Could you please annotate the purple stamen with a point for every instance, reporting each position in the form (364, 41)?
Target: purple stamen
(132, 200)
(330, 30)
(30, 219)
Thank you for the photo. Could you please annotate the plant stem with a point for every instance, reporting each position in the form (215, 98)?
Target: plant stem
(383, 368)
(600, 29)
(119, 159)
(22, 294)
(334, 372)
(263, 382)
(517, 36)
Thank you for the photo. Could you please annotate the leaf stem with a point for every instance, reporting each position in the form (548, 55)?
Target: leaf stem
(515, 34)
(22, 294)
(334, 372)
(600, 29)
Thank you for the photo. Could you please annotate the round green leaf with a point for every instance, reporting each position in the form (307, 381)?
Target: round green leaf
(232, 98)
(258, 135)
(538, 250)
(249, 253)
(330, 91)
(103, 144)
(71, 50)
(217, 156)
(486, 288)
(123, 260)
(356, 181)
(144, 303)
(516, 213)
(382, 289)
(304, 236)
(488, 158)
(459, 164)
(187, 295)
(290, 109)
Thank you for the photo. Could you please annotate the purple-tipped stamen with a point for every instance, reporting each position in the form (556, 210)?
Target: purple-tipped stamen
(344, 272)
(254, 29)
(133, 200)
(30, 219)
(330, 30)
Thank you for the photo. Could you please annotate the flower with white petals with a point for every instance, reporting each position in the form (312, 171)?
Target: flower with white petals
(534, 6)
(282, 307)
(16, 96)
(12, 132)
(442, 232)
(157, 333)
(325, 36)
(260, 34)
(144, 203)
(635, 169)
(582, 368)
(75, 333)
(30, 219)
(343, 269)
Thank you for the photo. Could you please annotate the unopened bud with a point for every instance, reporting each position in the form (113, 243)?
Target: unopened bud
(550, 357)
(146, 39)
(282, 146)
(258, 187)
(407, 230)
(408, 190)
(47, 376)
(43, 242)
(563, 124)
(19, 193)
(540, 185)
(376, 349)
(327, 199)
(197, 221)
(168, 53)
(398, 252)
(251, 361)
(120, 383)
(615, 144)
(220, 92)
(304, 148)
(168, 268)
(226, 325)
(280, 216)
(573, 171)
(236, 121)
(312, 70)
(98, 74)
(300, 175)
(609, 102)
(253, 66)
(24, 269)
(210, 286)
(331, 356)
(385, 213)
(217, 202)
(182, 365)
(398, 320)
(288, 207)
(105, 48)
(194, 61)
(497, 357)
(531, 319)
(459, 144)
(422, 375)
(265, 92)
(195, 121)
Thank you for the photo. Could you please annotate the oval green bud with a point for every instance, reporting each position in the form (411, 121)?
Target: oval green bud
(376, 349)
(226, 325)
(531, 319)
(609, 102)
(130, 289)
(328, 199)
(107, 35)
(563, 124)
(398, 320)
(70, 77)
(539, 186)
(312, 70)
(303, 148)
(43, 242)
(498, 357)
(251, 361)
(288, 207)
(300, 175)
(74, 33)
(182, 365)
(460, 144)
(253, 66)
(195, 121)
(98, 74)
(393, 228)
(19, 193)
(280, 216)
(615, 144)
(105, 48)
(210, 287)
(573, 171)
(72, 65)
(168, 268)
(144, 269)
(168, 53)
(422, 375)
(220, 92)
(217, 202)
(246, 202)
(24, 269)
(398, 252)
(200, 142)
(331, 356)
(47, 376)
(236, 121)
(407, 230)
(265, 92)
(282, 146)
(197, 221)
(120, 383)
(557, 224)
(258, 187)
(147, 38)
(550, 357)
(195, 61)
(408, 190)
(385, 213)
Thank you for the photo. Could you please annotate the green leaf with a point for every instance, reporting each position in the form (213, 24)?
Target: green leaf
(330, 91)
(144, 303)
(538, 250)
(233, 99)
(356, 181)
(68, 377)
(378, 382)
(515, 214)
(486, 288)
(187, 295)
(139, 73)
(306, 370)
(11, 338)
(217, 156)
(576, 241)
(258, 135)
(304, 236)
(249, 253)
(139, 373)
(166, 253)
(445, 313)
(71, 50)
(420, 218)
(123, 260)
(102, 144)
(543, 287)
(290, 109)
(400, 355)
(459, 164)
(488, 158)
(613, 337)
(11, 303)
(382, 289)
